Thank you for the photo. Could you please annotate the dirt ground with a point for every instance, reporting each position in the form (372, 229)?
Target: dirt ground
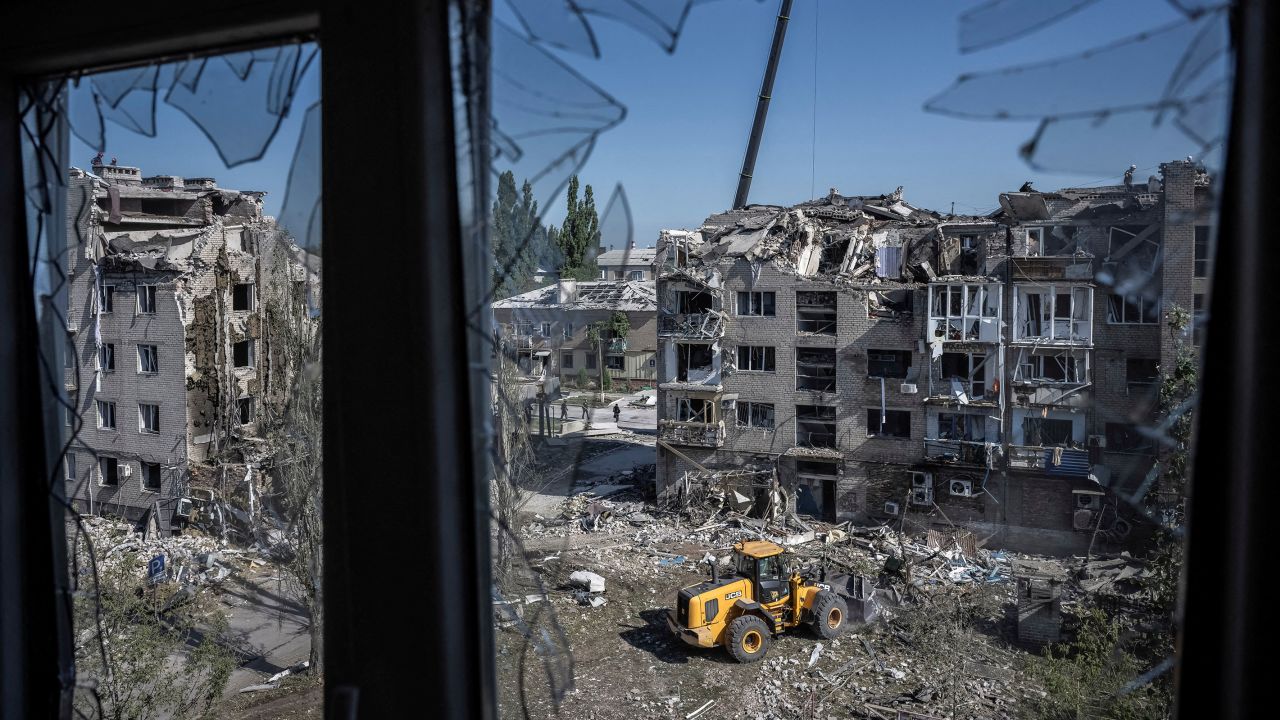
(948, 650)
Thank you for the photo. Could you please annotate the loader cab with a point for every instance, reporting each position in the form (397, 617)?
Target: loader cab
(762, 563)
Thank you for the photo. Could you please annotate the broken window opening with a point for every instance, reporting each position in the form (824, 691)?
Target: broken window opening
(1203, 252)
(243, 353)
(1053, 313)
(148, 359)
(816, 369)
(757, 358)
(1141, 371)
(69, 466)
(1051, 241)
(889, 423)
(591, 361)
(694, 410)
(242, 296)
(106, 299)
(107, 357)
(566, 360)
(756, 415)
(816, 312)
(695, 358)
(962, 426)
(244, 410)
(889, 303)
(148, 418)
(815, 426)
(615, 362)
(1059, 368)
(567, 328)
(888, 363)
(693, 302)
(1042, 432)
(1133, 309)
(152, 477)
(108, 471)
(146, 299)
(834, 249)
(757, 303)
(1124, 437)
(545, 330)
(106, 414)
(967, 370)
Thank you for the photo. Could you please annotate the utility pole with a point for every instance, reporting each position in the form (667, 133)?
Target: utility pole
(762, 106)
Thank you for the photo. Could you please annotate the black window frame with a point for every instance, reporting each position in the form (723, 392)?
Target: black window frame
(880, 363)
(242, 297)
(152, 470)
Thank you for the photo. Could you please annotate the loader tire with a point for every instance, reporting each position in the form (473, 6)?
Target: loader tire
(830, 615)
(747, 638)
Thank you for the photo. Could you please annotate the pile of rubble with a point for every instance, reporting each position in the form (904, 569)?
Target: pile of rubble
(193, 558)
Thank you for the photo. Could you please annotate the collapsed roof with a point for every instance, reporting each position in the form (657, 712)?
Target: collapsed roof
(631, 295)
(856, 238)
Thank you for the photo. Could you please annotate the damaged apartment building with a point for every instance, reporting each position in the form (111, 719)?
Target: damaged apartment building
(873, 360)
(170, 368)
(547, 332)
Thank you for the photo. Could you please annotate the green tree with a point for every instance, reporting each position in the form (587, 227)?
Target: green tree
(579, 234)
(161, 645)
(519, 239)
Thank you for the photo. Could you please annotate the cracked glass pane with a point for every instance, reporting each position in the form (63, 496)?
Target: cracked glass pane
(179, 308)
(963, 408)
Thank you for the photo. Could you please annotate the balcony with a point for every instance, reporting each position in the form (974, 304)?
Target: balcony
(1055, 460)
(707, 325)
(691, 433)
(956, 452)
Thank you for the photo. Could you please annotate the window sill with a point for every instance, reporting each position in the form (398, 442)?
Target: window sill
(888, 437)
(148, 432)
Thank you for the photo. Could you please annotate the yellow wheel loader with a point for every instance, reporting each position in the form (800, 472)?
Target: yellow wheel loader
(759, 599)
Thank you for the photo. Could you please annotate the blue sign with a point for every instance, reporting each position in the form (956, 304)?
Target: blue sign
(155, 568)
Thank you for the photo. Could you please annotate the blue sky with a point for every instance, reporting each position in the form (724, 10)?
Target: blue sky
(689, 113)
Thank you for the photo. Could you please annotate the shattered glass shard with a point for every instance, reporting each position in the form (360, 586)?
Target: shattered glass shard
(300, 212)
(240, 114)
(1130, 74)
(114, 85)
(1000, 21)
(135, 110)
(616, 230)
(561, 26)
(86, 120)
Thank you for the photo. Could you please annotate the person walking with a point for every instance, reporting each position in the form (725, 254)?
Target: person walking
(564, 409)
(528, 414)
(584, 411)
(616, 412)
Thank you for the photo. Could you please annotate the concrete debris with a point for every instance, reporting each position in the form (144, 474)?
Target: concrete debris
(587, 580)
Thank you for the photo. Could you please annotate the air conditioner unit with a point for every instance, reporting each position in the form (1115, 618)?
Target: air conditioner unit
(962, 488)
(922, 496)
(921, 480)
(1098, 441)
(909, 389)
(184, 508)
(891, 508)
(1088, 501)
(73, 328)
(1082, 520)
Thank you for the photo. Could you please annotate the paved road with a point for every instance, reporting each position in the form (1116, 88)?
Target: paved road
(268, 625)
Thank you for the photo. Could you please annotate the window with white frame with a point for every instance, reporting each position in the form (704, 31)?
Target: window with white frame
(107, 357)
(968, 370)
(69, 466)
(146, 299)
(106, 414)
(148, 418)
(756, 415)
(1062, 367)
(106, 298)
(757, 358)
(970, 427)
(964, 312)
(1053, 313)
(108, 471)
(545, 330)
(757, 303)
(1133, 309)
(693, 410)
(567, 327)
(148, 359)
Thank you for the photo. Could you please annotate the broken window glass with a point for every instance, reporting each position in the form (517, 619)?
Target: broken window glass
(242, 297)
(758, 358)
(888, 423)
(148, 359)
(151, 476)
(106, 414)
(148, 418)
(108, 471)
(755, 414)
(816, 312)
(888, 363)
(815, 426)
(816, 369)
(146, 299)
(756, 303)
